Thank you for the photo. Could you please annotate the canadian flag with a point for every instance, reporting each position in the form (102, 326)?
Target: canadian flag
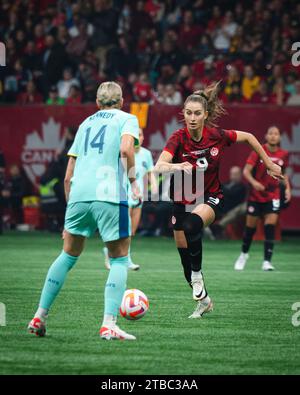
(40, 149)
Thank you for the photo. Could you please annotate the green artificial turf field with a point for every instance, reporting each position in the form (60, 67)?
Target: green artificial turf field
(250, 330)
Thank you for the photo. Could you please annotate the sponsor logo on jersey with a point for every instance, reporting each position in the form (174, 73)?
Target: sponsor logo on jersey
(199, 152)
(214, 151)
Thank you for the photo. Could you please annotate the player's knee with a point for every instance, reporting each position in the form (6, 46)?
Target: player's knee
(193, 224)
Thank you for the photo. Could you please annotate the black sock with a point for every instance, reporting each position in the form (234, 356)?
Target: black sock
(247, 238)
(269, 241)
(193, 227)
(186, 263)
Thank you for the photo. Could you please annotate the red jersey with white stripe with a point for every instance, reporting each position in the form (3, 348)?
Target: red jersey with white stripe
(204, 155)
(272, 190)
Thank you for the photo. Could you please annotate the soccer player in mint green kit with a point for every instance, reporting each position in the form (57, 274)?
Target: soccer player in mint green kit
(143, 166)
(95, 187)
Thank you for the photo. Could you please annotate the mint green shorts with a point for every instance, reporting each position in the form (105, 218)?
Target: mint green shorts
(111, 219)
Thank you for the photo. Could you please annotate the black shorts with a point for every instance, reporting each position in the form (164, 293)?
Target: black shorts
(179, 214)
(258, 209)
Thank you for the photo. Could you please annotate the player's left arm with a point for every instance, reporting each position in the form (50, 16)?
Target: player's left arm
(69, 175)
(248, 138)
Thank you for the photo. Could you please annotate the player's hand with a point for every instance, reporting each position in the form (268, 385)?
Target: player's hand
(135, 191)
(275, 171)
(258, 186)
(187, 167)
(63, 234)
(287, 195)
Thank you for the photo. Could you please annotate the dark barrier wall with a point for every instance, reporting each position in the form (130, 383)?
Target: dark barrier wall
(30, 136)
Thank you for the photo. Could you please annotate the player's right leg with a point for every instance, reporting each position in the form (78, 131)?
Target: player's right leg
(114, 225)
(251, 222)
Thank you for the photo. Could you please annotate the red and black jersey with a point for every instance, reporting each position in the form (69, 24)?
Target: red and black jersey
(272, 189)
(204, 155)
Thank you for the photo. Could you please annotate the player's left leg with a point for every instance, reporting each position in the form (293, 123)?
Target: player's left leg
(203, 215)
(270, 221)
(57, 273)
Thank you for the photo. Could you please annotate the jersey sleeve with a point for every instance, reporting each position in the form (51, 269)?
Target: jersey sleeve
(252, 159)
(230, 136)
(75, 147)
(172, 144)
(131, 127)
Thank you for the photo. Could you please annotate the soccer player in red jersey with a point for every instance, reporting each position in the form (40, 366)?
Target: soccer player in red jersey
(199, 147)
(264, 198)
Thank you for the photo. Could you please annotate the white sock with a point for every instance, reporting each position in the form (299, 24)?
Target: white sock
(109, 320)
(41, 313)
(196, 276)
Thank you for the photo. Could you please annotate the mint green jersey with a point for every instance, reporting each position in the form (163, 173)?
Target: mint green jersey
(98, 172)
(143, 165)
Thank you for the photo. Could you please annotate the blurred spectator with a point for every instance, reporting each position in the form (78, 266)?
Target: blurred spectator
(39, 38)
(15, 188)
(78, 42)
(31, 96)
(89, 79)
(159, 94)
(105, 22)
(142, 89)
(172, 96)
(294, 99)
(190, 32)
(121, 60)
(74, 96)
(233, 78)
(185, 80)
(250, 82)
(279, 96)
(224, 30)
(65, 84)
(290, 86)
(54, 59)
(262, 96)
(53, 98)
(32, 61)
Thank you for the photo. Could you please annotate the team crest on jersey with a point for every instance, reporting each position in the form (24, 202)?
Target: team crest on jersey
(173, 220)
(214, 151)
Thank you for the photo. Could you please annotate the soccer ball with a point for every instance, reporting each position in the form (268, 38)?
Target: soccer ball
(134, 304)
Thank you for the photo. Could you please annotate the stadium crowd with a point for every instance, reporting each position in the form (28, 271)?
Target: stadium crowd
(57, 52)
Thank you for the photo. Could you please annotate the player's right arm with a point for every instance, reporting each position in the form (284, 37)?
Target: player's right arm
(68, 176)
(247, 172)
(165, 165)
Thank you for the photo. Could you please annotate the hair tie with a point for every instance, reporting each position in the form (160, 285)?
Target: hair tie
(203, 95)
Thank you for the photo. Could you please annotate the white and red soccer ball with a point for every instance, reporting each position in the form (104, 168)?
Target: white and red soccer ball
(135, 304)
